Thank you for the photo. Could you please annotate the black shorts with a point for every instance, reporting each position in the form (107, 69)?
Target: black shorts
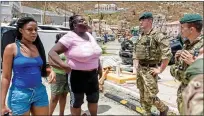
(80, 83)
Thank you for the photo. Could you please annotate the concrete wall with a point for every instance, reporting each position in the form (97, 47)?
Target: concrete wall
(6, 14)
(56, 20)
(10, 10)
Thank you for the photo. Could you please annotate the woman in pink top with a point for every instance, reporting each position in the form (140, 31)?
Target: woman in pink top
(82, 66)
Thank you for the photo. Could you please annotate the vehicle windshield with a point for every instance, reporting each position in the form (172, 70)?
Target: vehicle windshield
(65, 29)
(47, 28)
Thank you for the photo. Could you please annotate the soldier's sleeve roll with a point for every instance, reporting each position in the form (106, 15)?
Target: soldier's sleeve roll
(134, 52)
(164, 45)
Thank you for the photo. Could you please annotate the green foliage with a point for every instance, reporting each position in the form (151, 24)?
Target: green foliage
(103, 49)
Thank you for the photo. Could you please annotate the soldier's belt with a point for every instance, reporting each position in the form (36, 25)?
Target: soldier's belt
(148, 65)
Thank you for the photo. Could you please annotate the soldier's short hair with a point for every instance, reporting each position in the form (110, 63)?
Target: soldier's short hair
(197, 24)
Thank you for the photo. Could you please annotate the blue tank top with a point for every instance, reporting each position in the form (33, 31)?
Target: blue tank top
(26, 70)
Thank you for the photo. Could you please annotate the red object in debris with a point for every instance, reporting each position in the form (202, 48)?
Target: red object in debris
(48, 70)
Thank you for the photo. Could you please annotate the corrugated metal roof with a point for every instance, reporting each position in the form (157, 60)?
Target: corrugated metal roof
(61, 11)
(173, 23)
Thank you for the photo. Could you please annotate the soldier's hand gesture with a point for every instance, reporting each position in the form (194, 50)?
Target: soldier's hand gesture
(155, 71)
(178, 54)
(187, 57)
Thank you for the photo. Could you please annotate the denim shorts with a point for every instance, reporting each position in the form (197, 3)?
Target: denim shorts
(20, 100)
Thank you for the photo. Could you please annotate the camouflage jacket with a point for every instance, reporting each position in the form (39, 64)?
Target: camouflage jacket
(152, 47)
(193, 93)
(178, 69)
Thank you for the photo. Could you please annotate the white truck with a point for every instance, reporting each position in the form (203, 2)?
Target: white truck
(48, 38)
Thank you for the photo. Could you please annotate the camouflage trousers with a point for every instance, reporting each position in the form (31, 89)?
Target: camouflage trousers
(180, 97)
(148, 88)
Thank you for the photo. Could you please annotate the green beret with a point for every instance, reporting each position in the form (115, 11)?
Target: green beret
(196, 68)
(146, 15)
(188, 18)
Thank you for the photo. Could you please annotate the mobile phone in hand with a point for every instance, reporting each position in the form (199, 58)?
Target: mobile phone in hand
(6, 114)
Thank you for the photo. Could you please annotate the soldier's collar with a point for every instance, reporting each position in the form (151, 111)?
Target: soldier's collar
(150, 32)
(195, 41)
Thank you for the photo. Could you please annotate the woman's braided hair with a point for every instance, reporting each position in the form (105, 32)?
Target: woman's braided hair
(72, 21)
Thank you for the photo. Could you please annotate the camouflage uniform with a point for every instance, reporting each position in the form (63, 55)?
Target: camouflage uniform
(193, 93)
(150, 49)
(180, 66)
(178, 70)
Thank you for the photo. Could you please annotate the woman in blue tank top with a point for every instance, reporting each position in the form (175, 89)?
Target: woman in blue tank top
(27, 94)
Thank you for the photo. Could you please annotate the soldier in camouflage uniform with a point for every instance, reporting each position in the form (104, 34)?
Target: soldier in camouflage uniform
(191, 26)
(151, 48)
(193, 93)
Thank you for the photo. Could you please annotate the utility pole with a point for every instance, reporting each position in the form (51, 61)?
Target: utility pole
(45, 7)
(41, 17)
(99, 21)
(65, 14)
(1, 39)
